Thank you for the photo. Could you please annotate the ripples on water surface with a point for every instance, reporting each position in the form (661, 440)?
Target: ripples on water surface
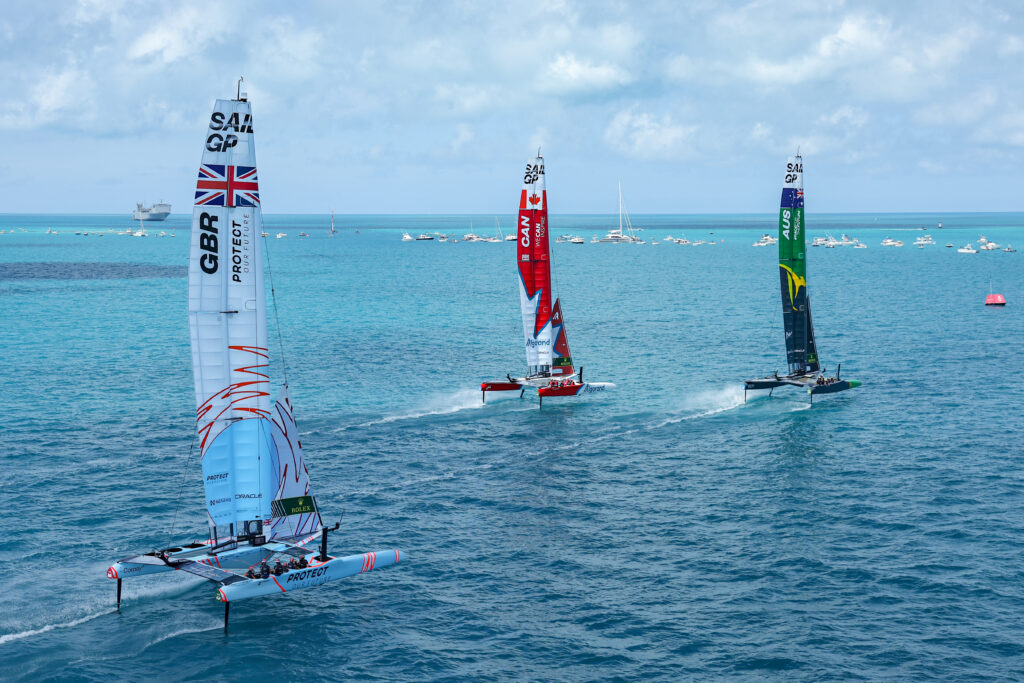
(662, 530)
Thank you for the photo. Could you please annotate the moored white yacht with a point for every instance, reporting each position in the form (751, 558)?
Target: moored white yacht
(967, 249)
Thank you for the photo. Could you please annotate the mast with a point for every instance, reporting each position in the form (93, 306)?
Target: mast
(801, 352)
(620, 207)
(533, 261)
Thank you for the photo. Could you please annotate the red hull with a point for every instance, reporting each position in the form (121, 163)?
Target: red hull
(569, 390)
(500, 386)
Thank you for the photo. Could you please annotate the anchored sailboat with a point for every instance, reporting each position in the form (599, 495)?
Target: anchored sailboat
(801, 351)
(259, 501)
(550, 368)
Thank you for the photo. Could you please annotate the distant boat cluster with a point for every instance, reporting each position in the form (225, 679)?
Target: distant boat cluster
(128, 232)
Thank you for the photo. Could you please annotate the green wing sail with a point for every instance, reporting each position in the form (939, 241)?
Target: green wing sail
(801, 353)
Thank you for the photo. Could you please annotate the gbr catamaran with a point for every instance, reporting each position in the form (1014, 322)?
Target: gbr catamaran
(549, 364)
(801, 351)
(259, 501)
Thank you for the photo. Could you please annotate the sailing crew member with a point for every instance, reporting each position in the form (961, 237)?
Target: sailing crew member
(264, 570)
(303, 563)
(250, 574)
(278, 568)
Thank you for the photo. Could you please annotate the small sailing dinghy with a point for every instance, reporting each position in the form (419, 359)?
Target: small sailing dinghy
(801, 351)
(549, 364)
(259, 501)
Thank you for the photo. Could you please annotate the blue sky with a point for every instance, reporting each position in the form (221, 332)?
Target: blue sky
(408, 107)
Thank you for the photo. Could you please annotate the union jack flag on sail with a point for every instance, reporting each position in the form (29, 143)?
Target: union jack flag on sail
(221, 185)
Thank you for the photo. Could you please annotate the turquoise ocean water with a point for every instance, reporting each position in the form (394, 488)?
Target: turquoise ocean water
(663, 530)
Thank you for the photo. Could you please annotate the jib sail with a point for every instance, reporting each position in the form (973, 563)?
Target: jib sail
(561, 361)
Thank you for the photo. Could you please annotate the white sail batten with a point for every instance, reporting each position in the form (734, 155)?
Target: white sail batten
(228, 324)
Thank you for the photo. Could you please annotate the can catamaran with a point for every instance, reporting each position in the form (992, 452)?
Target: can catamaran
(549, 364)
(259, 502)
(801, 351)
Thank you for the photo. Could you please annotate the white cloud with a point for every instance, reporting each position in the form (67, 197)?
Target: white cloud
(463, 136)
(958, 111)
(932, 167)
(638, 134)
(569, 74)
(179, 34)
(761, 132)
(463, 99)
(846, 116)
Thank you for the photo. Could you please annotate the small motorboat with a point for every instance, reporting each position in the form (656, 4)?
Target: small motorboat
(406, 237)
(967, 249)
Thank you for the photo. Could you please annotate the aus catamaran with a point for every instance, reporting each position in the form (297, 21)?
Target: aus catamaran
(549, 365)
(801, 351)
(264, 523)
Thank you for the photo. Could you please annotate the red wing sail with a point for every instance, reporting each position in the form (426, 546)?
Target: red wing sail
(533, 259)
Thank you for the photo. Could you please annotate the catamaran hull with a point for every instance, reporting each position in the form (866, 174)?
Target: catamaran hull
(758, 384)
(574, 389)
(500, 386)
(842, 385)
(313, 575)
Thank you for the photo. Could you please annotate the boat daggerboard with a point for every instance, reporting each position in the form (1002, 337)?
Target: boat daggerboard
(796, 305)
(533, 257)
(561, 361)
(251, 456)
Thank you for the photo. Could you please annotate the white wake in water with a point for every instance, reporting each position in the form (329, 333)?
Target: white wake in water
(50, 627)
(445, 404)
(173, 585)
(706, 404)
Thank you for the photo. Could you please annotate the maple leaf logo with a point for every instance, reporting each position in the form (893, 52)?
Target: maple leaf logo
(534, 199)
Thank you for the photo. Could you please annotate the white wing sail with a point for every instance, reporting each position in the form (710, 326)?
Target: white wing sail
(228, 323)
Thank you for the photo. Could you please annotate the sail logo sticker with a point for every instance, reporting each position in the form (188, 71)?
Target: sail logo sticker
(786, 214)
(217, 142)
(208, 243)
(534, 198)
(524, 232)
(306, 574)
(239, 251)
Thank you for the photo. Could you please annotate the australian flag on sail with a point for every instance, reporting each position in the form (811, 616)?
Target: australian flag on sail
(221, 185)
(792, 198)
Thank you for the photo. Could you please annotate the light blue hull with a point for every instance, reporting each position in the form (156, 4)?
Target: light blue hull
(314, 575)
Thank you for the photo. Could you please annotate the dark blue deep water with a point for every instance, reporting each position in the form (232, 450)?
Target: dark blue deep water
(664, 530)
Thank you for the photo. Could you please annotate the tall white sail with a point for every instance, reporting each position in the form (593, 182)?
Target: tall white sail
(241, 439)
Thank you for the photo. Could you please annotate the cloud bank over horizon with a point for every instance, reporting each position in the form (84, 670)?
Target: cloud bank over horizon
(434, 107)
